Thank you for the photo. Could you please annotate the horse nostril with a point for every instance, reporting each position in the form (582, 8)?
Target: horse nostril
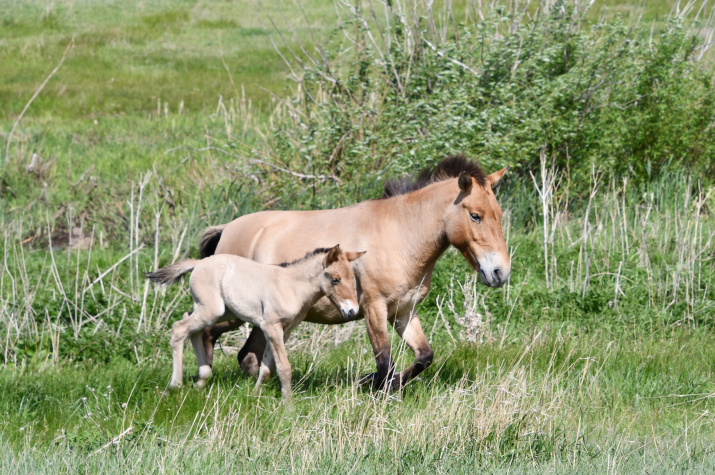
(351, 313)
(497, 274)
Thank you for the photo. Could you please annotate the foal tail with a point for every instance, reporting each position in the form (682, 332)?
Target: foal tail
(209, 240)
(172, 273)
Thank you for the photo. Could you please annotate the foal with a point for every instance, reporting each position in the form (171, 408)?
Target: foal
(273, 298)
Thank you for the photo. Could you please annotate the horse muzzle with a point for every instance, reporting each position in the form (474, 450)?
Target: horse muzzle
(491, 272)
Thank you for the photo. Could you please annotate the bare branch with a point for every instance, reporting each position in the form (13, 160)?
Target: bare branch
(442, 55)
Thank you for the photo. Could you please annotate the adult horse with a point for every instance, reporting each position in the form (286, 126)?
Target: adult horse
(404, 233)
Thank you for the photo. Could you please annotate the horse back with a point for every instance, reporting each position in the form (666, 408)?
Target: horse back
(273, 237)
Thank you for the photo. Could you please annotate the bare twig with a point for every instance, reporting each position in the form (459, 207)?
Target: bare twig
(442, 55)
(114, 441)
(101, 276)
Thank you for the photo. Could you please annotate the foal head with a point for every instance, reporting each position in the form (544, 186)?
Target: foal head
(337, 280)
(473, 225)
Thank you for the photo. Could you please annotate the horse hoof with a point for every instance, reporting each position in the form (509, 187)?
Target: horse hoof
(392, 385)
(200, 384)
(395, 384)
(367, 379)
(249, 365)
(174, 386)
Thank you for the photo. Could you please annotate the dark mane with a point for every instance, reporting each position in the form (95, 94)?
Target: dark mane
(450, 167)
(308, 255)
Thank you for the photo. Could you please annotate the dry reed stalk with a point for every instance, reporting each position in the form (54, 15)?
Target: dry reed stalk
(546, 194)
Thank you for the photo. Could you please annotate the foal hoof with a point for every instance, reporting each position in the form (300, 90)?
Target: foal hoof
(174, 386)
(200, 384)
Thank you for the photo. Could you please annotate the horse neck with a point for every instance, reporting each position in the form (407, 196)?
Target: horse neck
(421, 216)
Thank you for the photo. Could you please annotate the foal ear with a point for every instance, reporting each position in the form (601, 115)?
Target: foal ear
(494, 178)
(332, 256)
(351, 256)
(465, 182)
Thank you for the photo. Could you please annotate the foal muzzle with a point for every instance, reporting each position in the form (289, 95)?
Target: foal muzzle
(349, 310)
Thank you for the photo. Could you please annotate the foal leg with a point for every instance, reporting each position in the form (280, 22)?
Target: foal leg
(201, 359)
(274, 335)
(178, 336)
(409, 328)
(268, 362)
(205, 313)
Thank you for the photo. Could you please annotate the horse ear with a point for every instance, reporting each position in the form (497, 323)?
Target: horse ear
(464, 181)
(351, 256)
(494, 178)
(332, 256)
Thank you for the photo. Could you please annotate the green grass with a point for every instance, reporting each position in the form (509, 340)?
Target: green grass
(607, 369)
(129, 54)
(560, 399)
(144, 85)
(564, 377)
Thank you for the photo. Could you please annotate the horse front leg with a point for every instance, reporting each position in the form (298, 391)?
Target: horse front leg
(376, 320)
(410, 330)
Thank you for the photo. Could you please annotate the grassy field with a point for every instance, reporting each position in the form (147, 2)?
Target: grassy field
(597, 358)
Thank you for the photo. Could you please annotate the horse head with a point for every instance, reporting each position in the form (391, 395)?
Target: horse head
(473, 225)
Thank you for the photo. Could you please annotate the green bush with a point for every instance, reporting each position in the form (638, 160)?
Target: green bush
(502, 90)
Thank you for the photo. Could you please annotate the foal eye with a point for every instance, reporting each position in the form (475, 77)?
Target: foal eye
(335, 280)
(476, 218)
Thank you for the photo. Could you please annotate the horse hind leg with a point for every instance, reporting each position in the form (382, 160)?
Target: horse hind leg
(264, 372)
(249, 358)
(410, 330)
(212, 334)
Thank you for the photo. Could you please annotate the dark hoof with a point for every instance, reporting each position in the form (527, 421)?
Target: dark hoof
(369, 379)
(395, 384)
(249, 365)
(392, 385)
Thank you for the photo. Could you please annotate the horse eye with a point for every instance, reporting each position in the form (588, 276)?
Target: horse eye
(476, 218)
(335, 280)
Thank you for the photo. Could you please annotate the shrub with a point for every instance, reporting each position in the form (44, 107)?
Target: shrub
(607, 94)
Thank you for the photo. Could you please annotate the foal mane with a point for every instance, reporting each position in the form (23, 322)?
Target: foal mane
(308, 255)
(450, 167)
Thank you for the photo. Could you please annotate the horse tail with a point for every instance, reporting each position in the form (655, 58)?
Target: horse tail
(171, 273)
(209, 240)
